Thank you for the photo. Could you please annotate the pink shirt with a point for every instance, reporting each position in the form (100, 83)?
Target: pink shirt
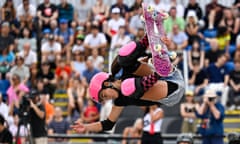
(12, 96)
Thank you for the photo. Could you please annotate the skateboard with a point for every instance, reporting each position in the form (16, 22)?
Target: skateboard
(153, 21)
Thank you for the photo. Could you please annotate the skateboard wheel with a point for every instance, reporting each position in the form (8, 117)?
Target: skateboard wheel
(158, 48)
(150, 8)
(172, 55)
(154, 14)
(165, 16)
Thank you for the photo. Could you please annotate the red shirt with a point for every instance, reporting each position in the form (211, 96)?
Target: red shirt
(66, 69)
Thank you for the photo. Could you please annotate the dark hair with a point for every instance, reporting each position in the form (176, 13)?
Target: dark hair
(2, 120)
(115, 67)
(221, 31)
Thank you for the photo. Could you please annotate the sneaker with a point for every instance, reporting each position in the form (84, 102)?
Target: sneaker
(232, 107)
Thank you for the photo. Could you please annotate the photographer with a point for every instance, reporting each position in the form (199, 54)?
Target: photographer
(212, 113)
(37, 119)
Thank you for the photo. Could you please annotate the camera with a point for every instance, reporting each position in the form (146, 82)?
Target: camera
(211, 99)
(189, 110)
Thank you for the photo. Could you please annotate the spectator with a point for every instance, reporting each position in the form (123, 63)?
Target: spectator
(26, 37)
(136, 5)
(99, 13)
(78, 64)
(58, 125)
(160, 5)
(33, 76)
(51, 50)
(47, 75)
(64, 36)
(65, 11)
(76, 92)
(234, 84)
(232, 24)
(63, 71)
(114, 22)
(214, 12)
(95, 40)
(193, 6)
(6, 61)
(134, 131)
(124, 10)
(6, 40)
(212, 112)
(8, 11)
(179, 7)
(78, 46)
(187, 111)
(152, 123)
(20, 69)
(218, 77)
(5, 134)
(179, 37)
(173, 20)
(236, 6)
(118, 40)
(15, 92)
(213, 54)
(25, 14)
(89, 72)
(192, 28)
(90, 113)
(82, 13)
(196, 56)
(46, 12)
(223, 39)
(98, 61)
(30, 57)
(135, 21)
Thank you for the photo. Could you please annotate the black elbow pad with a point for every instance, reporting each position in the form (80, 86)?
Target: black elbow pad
(107, 125)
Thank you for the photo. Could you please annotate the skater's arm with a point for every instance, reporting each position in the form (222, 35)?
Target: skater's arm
(101, 125)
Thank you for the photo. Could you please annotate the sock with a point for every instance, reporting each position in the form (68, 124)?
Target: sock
(149, 81)
(144, 41)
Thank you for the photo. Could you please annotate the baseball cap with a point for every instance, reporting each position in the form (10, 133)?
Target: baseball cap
(63, 21)
(79, 28)
(116, 10)
(80, 37)
(5, 24)
(189, 93)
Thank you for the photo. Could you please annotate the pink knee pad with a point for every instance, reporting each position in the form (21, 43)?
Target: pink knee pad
(128, 87)
(127, 49)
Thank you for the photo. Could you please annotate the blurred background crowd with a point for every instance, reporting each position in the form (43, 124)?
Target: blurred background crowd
(57, 47)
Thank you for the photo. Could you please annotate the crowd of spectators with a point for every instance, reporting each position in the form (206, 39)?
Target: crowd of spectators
(57, 48)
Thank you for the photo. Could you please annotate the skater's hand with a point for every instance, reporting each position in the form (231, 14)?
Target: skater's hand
(166, 41)
(78, 127)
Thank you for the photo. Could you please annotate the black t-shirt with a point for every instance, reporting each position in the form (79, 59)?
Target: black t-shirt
(199, 77)
(47, 11)
(127, 101)
(49, 76)
(5, 42)
(235, 76)
(37, 124)
(6, 136)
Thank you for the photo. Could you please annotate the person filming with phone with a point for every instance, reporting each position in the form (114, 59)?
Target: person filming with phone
(211, 112)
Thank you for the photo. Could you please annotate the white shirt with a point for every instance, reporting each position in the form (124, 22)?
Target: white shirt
(94, 41)
(160, 6)
(31, 58)
(116, 39)
(97, 62)
(21, 11)
(147, 122)
(55, 47)
(77, 48)
(114, 24)
(4, 110)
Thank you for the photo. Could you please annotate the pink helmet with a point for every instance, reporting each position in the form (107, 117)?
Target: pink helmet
(96, 84)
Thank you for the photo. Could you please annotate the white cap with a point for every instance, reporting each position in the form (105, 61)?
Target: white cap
(116, 10)
(191, 13)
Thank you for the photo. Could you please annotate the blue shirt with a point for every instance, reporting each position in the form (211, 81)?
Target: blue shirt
(65, 34)
(8, 58)
(216, 74)
(214, 126)
(59, 127)
(89, 74)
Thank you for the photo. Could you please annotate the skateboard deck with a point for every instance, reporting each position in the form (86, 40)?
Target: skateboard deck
(154, 28)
